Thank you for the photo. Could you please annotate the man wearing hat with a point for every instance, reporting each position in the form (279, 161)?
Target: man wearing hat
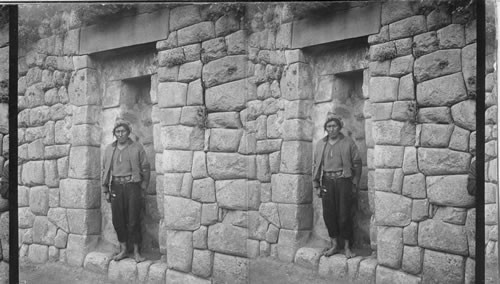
(125, 176)
(336, 171)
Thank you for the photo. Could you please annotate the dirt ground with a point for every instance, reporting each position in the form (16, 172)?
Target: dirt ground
(261, 270)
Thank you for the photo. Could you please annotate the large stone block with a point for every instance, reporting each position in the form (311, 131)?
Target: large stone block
(445, 90)
(33, 173)
(79, 193)
(435, 135)
(414, 186)
(26, 218)
(296, 157)
(390, 246)
(434, 115)
(392, 132)
(388, 156)
(84, 222)
(296, 217)
(175, 277)
(395, 11)
(176, 161)
(449, 191)
(334, 267)
(97, 262)
(35, 150)
(410, 234)
(296, 81)
(442, 161)
(44, 232)
(425, 43)
(308, 257)
(180, 137)
(204, 190)
(39, 200)
(59, 218)
(452, 36)
(230, 267)
(469, 67)
(199, 168)
(366, 270)
(392, 209)
(383, 89)
(78, 247)
(270, 211)
(294, 189)
(85, 135)
(443, 236)
(263, 168)
(83, 88)
(383, 52)
(387, 275)
(196, 33)
(228, 239)
(464, 114)
(180, 250)
(172, 94)
(38, 253)
(84, 162)
(190, 71)
(225, 140)
(289, 242)
(448, 268)
(227, 69)
(230, 166)
(436, 64)
(230, 96)
(124, 271)
(224, 120)
(181, 213)
(237, 194)
(298, 129)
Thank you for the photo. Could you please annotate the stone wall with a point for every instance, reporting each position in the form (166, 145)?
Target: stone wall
(4, 150)
(422, 90)
(234, 113)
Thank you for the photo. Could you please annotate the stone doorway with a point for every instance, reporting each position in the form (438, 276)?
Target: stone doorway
(338, 76)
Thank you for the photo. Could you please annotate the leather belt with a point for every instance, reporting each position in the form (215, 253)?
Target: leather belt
(121, 180)
(336, 174)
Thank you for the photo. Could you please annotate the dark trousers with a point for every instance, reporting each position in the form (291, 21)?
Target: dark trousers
(126, 212)
(337, 207)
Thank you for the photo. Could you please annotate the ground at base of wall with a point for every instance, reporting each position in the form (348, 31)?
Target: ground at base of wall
(57, 273)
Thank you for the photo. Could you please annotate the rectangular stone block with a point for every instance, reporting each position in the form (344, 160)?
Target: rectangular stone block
(388, 156)
(180, 250)
(392, 209)
(442, 161)
(296, 157)
(230, 96)
(180, 137)
(32, 173)
(296, 83)
(172, 94)
(390, 246)
(226, 69)
(383, 89)
(228, 239)
(237, 194)
(294, 189)
(83, 88)
(443, 236)
(84, 162)
(296, 217)
(230, 166)
(449, 268)
(175, 161)
(181, 213)
(436, 64)
(78, 247)
(289, 242)
(80, 193)
(230, 267)
(83, 221)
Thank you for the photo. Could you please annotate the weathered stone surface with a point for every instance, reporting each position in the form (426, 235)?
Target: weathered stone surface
(237, 43)
(446, 267)
(384, 89)
(209, 213)
(61, 239)
(470, 32)
(297, 129)
(123, 271)
(308, 257)
(366, 270)
(469, 67)
(44, 231)
(442, 161)
(204, 190)
(181, 213)
(192, 116)
(175, 161)
(76, 193)
(395, 11)
(414, 186)
(420, 209)
(237, 194)
(59, 218)
(334, 267)
(230, 267)
(452, 36)
(32, 173)
(443, 236)
(390, 246)
(230, 166)
(172, 94)
(296, 157)
(452, 215)
(225, 140)
(434, 115)
(296, 217)
(176, 277)
(388, 156)
(224, 120)
(425, 43)
(180, 137)
(436, 135)
(97, 262)
(196, 33)
(190, 71)
(392, 209)
(296, 81)
(403, 111)
(289, 242)
(464, 114)
(26, 218)
(382, 36)
(78, 247)
(445, 90)
(383, 51)
(83, 88)
(459, 139)
(449, 191)
(202, 263)
(229, 97)
(393, 132)
(407, 27)
(84, 162)
(39, 200)
(199, 168)
(401, 66)
(180, 250)
(84, 222)
(410, 234)
(228, 239)
(295, 189)
(387, 275)
(227, 69)
(38, 253)
(35, 150)
(436, 64)
(213, 49)
(85, 135)
(22, 196)
(269, 211)
(379, 68)
(263, 168)
(438, 18)
(470, 229)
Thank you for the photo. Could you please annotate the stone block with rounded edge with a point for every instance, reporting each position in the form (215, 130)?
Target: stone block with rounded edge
(38, 253)
(387, 275)
(392, 209)
(388, 156)
(390, 246)
(291, 188)
(296, 216)
(84, 222)
(384, 89)
(230, 96)
(296, 157)
(410, 234)
(202, 263)
(434, 115)
(33, 173)
(209, 213)
(196, 33)
(383, 52)
(414, 186)
(464, 114)
(269, 211)
(26, 218)
(469, 67)
(78, 247)
(438, 235)
(230, 166)
(392, 132)
(172, 94)
(204, 190)
(237, 194)
(84, 162)
(224, 140)
(181, 137)
(308, 257)
(435, 135)
(181, 213)
(436, 64)
(366, 270)
(425, 43)
(449, 191)
(442, 91)
(44, 231)
(296, 81)
(59, 217)
(289, 242)
(410, 161)
(97, 262)
(180, 250)
(124, 270)
(80, 193)
(176, 161)
(434, 161)
(224, 120)
(176, 277)
(451, 36)
(189, 71)
(334, 267)
(83, 88)
(39, 200)
(401, 66)
(230, 267)
(448, 268)
(227, 239)
(223, 70)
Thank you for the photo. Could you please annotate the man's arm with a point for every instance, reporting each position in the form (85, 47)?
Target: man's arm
(145, 167)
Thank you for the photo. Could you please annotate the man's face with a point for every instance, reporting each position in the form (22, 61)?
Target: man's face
(121, 134)
(333, 129)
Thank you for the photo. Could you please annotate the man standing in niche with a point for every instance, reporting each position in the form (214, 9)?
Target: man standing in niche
(336, 171)
(125, 178)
